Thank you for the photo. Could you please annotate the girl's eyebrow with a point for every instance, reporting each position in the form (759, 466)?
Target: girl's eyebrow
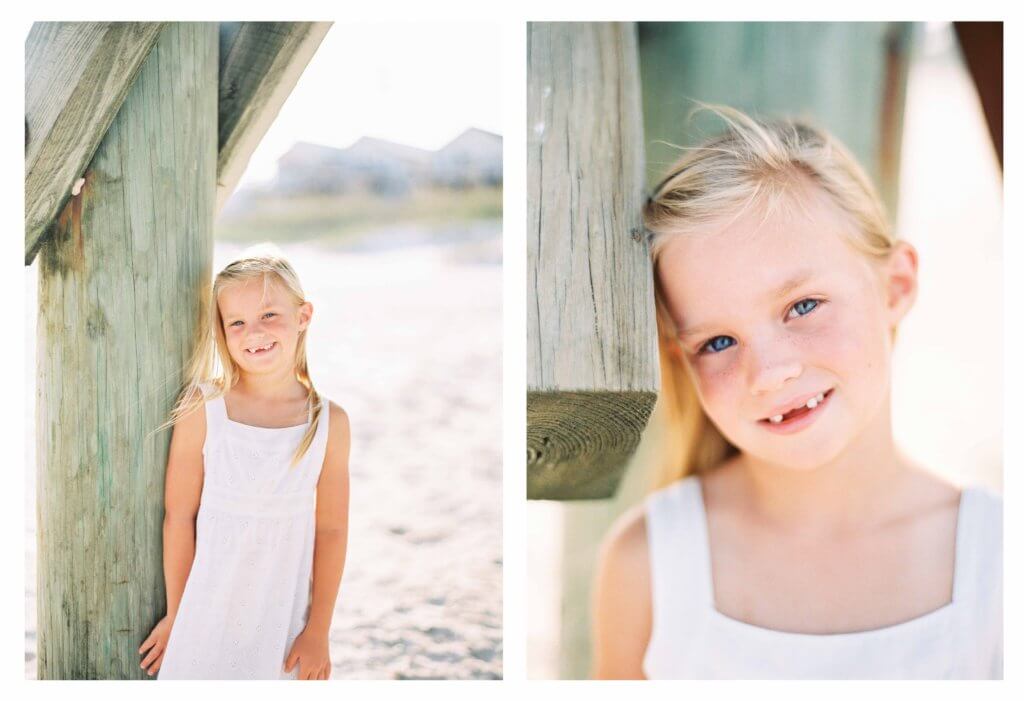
(698, 330)
(232, 316)
(794, 281)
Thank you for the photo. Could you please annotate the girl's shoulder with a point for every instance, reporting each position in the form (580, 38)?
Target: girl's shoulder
(622, 576)
(336, 415)
(339, 429)
(627, 543)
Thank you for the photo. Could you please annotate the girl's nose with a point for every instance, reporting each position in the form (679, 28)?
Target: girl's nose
(770, 371)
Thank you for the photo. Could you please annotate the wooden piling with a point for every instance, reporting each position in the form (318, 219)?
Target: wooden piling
(592, 362)
(121, 284)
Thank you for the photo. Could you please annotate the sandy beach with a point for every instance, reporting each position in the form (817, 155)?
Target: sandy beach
(406, 337)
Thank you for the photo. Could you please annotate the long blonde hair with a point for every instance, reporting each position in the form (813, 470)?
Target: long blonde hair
(211, 363)
(753, 163)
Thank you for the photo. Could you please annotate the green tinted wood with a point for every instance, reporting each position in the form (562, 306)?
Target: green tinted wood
(121, 286)
(849, 77)
(76, 77)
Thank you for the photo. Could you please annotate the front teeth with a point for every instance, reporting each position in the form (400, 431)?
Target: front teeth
(266, 347)
(811, 403)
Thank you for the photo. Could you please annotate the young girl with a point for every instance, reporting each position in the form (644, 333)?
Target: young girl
(256, 497)
(793, 539)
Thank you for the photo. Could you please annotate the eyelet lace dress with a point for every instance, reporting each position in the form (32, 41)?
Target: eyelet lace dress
(248, 593)
(691, 639)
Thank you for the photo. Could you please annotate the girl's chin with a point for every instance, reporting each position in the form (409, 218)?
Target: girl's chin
(805, 459)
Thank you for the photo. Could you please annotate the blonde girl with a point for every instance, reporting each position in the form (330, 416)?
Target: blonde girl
(256, 495)
(789, 538)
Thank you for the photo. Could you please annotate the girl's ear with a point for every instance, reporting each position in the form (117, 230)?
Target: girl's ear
(305, 315)
(901, 281)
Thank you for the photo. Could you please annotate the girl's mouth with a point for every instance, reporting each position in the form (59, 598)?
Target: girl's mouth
(260, 350)
(799, 417)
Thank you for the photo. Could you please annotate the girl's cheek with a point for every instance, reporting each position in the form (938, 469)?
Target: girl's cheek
(716, 378)
(841, 339)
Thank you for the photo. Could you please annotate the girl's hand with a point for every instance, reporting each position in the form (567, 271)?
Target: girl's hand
(311, 651)
(156, 643)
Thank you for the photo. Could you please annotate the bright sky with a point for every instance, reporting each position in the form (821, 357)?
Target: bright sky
(414, 83)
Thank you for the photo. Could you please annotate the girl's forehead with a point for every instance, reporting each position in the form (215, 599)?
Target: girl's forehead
(745, 258)
(259, 292)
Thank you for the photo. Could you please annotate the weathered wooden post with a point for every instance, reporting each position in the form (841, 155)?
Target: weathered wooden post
(121, 280)
(592, 359)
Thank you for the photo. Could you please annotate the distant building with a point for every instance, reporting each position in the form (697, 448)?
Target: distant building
(385, 167)
(472, 158)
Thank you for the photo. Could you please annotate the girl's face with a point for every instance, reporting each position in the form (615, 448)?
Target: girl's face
(262, 327)
(786, 329)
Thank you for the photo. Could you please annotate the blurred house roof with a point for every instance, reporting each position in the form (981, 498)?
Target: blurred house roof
(471, 142)
(475, 142)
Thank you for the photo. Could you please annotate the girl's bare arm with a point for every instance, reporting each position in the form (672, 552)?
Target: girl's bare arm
(621, 601)
(183, 485)
(331, 523)
(182, 489)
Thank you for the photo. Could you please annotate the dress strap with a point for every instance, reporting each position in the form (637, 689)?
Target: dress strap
(320, 438)
(979, 544)
(963, 553)
(679, 557)
(978, 579)
(215, 412)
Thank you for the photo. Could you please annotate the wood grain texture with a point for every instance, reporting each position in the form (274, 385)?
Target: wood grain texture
(121, 285)
(592, 363)
(579, 442)
(76, 77)
(260, 63)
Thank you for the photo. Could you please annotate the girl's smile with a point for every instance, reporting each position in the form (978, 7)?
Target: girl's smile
(261, 350)
(799, 415)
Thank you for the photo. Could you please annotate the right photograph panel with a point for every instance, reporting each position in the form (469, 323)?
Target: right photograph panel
(764, 353)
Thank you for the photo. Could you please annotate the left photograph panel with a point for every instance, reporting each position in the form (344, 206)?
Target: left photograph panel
(263, 335)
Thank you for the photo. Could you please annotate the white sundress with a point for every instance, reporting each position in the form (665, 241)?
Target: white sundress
(248, 593)
(691, 639)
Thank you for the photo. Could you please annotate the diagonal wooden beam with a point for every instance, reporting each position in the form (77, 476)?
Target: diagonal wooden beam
(260, 63)
(76, 77)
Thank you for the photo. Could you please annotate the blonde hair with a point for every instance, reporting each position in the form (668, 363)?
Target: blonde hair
(211, 363)
(754, 163)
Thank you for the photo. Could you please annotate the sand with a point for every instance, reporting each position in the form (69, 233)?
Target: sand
(406, 337)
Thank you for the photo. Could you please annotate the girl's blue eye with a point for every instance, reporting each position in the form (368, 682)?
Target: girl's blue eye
(802, 308)
(718, 344)
(270, 314)
(235, 323)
